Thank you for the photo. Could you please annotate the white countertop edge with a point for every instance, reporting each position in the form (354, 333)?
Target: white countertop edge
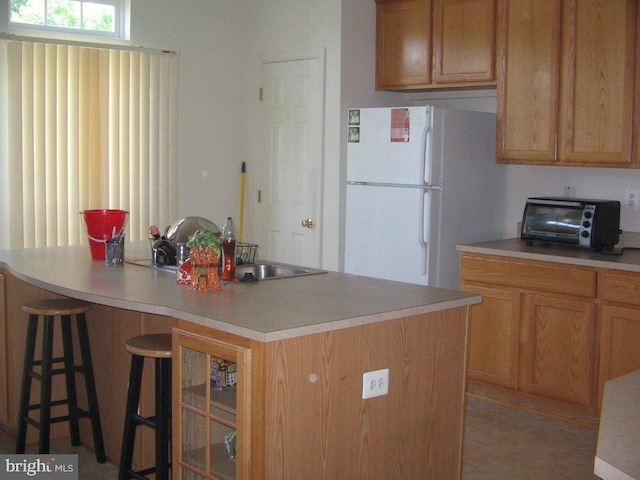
(548, 258)
(366, 320)
(608, 472)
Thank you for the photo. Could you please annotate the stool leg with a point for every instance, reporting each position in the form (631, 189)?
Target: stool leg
(133, 398)
(25, 393)
(163, 415)
(92, 396)
(45, 392)
(70, 377)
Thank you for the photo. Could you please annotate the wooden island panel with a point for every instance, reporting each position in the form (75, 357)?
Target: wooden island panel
(109, 329)
(314, 401)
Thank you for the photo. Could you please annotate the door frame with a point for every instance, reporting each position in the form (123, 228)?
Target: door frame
(290, 56)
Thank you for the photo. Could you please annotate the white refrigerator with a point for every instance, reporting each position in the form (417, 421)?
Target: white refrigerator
(420, 180)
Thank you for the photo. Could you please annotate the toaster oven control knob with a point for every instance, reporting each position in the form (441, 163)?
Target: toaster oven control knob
(587, 214)
(586, 224)
(584, 234)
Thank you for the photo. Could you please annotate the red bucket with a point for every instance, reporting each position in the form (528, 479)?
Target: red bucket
(101, 225)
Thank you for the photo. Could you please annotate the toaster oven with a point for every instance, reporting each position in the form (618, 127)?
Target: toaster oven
(572, 221)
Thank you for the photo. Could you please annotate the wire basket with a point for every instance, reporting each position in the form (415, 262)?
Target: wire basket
(245, 253)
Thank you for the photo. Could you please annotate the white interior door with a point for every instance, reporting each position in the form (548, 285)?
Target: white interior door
(289, 161)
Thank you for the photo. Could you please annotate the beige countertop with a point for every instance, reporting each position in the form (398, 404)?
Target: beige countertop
(629, 260)
(267, 310)
(618, 451)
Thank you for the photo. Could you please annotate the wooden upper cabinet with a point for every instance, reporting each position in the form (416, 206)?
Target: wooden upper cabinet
(566, 82)
(403, 44)
(598, 55)
(458, 52)
(463, 41)
(528, 79)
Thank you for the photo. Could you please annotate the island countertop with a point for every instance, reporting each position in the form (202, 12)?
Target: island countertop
(265, 311)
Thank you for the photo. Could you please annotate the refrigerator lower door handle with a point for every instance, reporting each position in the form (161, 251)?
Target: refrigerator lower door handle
(426, 226)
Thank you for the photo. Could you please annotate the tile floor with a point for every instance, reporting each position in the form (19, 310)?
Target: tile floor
(507, 444)
(500, 444)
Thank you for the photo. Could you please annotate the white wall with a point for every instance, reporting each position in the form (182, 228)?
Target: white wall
(524, 181)
(215, 82)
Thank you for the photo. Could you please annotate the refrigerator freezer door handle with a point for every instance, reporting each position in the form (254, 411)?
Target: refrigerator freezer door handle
(426, 154)
(394, 185)
(426, 223)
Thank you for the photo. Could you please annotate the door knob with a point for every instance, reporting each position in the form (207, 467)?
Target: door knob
(307, 223)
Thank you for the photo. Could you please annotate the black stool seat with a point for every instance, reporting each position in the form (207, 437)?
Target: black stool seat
(43, 371)
(158, 347)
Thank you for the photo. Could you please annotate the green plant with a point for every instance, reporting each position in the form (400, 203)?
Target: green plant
(205, 239)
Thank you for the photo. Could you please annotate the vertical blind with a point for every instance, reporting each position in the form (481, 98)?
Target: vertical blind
(84, 128)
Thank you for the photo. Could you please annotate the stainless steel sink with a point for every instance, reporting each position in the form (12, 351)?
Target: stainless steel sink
(271, 270)
(147, 262)
(246, 273)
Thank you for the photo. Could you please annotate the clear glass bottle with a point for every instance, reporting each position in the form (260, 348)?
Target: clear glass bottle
(229, 235)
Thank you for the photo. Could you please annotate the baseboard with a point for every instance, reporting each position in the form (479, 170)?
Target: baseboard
(530, 403)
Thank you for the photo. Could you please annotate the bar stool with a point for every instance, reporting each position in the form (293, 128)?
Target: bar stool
(157, 346)
(49, 310)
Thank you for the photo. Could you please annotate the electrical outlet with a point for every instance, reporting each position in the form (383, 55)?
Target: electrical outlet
(569, 192)
(375, 384)
(631, 198)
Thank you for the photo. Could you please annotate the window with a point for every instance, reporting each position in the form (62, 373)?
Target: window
(95, 17)
(84, 128)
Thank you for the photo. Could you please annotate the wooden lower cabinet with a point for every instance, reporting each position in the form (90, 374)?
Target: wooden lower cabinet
(620, 340)
(558, 338)
(620, 326)
(535, 344)
(495, 337)
(548, 335)
(533, 339)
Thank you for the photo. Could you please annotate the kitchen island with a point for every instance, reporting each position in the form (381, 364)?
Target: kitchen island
(301, 346)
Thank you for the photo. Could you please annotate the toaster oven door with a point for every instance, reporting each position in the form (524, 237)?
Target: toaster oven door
(552, 223)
